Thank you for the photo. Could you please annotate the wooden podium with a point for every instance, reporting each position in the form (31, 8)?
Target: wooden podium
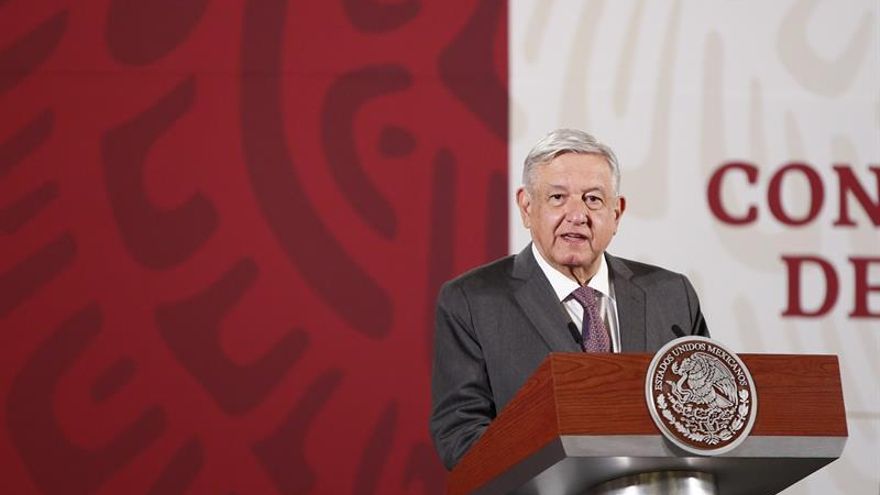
(582, 420)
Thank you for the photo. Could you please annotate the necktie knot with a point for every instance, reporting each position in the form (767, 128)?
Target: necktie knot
(588, 297)
(596, 338)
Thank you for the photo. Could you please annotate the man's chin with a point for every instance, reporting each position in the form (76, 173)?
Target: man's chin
(574, 263)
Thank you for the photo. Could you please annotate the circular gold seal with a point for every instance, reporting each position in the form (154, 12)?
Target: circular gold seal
(701, 396)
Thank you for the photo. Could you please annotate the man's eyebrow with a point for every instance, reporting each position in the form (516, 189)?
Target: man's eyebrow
(562, 188)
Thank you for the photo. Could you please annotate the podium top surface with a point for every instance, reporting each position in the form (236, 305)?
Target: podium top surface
(582, 419)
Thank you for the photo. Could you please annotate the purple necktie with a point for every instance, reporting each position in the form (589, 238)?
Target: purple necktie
(595, 335)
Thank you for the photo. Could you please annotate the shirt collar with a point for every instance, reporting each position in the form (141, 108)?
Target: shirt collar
(564, 286)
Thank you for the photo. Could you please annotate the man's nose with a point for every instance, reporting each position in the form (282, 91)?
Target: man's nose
(576, 212)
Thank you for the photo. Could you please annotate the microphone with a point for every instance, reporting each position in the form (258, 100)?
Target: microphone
(576, 334)
(678, 331)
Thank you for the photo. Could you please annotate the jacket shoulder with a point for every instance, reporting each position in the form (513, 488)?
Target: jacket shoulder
(488, 276)
(639, 271)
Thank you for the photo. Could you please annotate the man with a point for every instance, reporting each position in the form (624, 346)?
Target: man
(562, 293)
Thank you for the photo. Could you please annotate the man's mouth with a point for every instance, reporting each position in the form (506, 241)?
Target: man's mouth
(573, 236)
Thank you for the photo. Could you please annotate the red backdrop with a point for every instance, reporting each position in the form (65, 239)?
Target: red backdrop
(222, 228)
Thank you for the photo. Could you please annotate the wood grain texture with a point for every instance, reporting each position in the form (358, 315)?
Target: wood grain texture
(604, 394)
(798, 395)
(523, 427)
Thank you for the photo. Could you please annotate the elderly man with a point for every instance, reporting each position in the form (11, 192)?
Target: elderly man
(562, 293)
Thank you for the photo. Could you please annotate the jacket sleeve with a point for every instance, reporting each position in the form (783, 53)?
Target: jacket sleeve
(462, 404)
(698, 323)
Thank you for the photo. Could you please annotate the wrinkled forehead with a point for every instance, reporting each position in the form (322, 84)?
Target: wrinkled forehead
(543, 166)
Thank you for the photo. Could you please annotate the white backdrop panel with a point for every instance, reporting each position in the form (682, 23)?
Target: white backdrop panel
(678, 89)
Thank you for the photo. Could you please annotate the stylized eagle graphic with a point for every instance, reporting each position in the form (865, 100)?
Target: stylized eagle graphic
(705, 381)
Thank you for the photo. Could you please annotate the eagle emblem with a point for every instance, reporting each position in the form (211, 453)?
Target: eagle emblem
(700, 395)
(705, 381)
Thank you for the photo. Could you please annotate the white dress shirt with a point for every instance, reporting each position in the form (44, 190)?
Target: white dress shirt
(564, 286)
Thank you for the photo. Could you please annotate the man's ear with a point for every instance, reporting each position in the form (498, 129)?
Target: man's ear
(618, 211)
(524, 202)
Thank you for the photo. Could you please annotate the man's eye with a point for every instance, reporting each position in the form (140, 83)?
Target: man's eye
(555, 197)
(594, 201)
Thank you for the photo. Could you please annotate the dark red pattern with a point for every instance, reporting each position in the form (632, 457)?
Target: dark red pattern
(222, 228)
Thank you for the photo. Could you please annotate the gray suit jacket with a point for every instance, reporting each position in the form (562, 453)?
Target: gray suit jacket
(496, 323)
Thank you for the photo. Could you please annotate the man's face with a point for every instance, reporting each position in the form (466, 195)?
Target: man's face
(572, 212)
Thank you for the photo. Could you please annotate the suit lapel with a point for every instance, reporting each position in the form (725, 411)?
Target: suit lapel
(538, 301)
(630, 307)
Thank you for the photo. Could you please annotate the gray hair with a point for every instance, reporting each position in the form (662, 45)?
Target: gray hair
(562, 141)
